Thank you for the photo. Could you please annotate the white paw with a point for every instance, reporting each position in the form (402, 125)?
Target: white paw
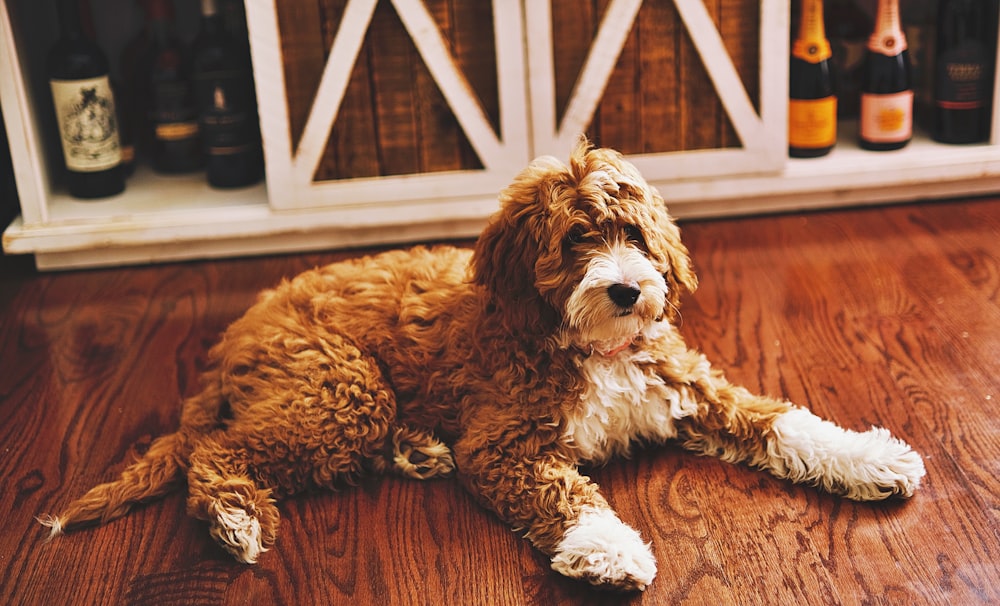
(603, 550)
(238, 532)
(866, 466)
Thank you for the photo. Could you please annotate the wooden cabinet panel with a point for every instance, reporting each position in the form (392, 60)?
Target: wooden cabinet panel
(658, 97)
(390, 100)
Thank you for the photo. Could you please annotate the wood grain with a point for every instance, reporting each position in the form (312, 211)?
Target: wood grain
(886, 316)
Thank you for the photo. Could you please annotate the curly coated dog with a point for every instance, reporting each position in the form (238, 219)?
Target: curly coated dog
(551, 344)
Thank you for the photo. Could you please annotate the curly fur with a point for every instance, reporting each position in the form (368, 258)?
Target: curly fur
(549, 345)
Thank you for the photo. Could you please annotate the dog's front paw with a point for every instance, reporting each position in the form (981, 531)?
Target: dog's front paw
(865, 466)
(892, 468)
(601, 549)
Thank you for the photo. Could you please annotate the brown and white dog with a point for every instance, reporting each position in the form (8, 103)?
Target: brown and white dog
(551, 344)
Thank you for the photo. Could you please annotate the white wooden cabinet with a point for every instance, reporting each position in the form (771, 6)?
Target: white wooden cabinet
(160, 218)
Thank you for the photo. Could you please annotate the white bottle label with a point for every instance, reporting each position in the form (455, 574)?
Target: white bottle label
(88, 126)
(887, 118)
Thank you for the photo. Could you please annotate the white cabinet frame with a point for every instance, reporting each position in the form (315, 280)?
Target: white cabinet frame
(290, 171)
(763, 142)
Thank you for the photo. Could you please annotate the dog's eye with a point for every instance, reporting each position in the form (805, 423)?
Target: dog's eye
(634, 235)
(576, 235)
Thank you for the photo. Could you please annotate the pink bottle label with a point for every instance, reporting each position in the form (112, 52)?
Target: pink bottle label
(887, 118)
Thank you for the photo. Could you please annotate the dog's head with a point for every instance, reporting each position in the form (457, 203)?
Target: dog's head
(585, 251)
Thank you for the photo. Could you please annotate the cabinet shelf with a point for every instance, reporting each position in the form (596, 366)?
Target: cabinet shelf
(849, 175)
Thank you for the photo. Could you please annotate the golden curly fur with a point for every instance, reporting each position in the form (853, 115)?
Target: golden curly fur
(550, 345)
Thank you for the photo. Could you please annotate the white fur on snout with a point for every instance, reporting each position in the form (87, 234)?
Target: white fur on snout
(591, 313)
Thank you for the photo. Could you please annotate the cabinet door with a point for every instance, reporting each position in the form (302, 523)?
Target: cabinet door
(686, 88)
(395, 103)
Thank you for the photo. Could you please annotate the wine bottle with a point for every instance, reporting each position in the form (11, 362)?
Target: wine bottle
(812, 106)
(85, 110)
(171, 113)
(962, 73)
(227, 106)
(847, 27)
(122, 105)
(886, 84)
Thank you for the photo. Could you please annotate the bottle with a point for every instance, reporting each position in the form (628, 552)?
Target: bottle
(847, 27)
(227, 105)
(812, 106)
(962, 73)
(122, 105)
(171, 113)
(85, 110)
(886, 84)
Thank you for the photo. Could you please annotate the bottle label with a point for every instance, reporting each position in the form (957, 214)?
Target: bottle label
(176, 131)
(960, 80)
(887, 118)
(812, 123)
(228, 122)
(88, 127)
(173, 114)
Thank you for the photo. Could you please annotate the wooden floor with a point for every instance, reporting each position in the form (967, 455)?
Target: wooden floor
(887, 316)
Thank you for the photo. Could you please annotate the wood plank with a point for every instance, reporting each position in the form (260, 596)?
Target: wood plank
(439, 134)
(700, 107)
(303, 55)
(659, 86)
(739, 24)
(574, 25)
(352, 148)
(393, 61)
(617, 121)
(474, 40)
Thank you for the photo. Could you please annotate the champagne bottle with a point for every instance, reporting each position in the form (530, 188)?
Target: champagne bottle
(812, 106)
(886, 87)
(85, 109)
(962, 73)
(171, 113)
(227, 106)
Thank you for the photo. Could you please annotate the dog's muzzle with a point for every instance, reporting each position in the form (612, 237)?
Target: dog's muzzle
(624, 295)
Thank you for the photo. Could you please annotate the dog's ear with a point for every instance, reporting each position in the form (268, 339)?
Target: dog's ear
(505, 256)
(677, 270)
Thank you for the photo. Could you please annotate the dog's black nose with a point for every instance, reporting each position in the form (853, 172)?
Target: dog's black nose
(623, 295)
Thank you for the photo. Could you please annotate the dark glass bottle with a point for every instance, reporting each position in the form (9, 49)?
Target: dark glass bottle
(812, 106)
(122, 106)
(227, 105)
(848, 27)
(171, 113)
(886, 84)
(85, 110)
(962, 73)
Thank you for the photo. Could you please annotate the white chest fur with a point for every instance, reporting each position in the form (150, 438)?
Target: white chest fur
(624, 402)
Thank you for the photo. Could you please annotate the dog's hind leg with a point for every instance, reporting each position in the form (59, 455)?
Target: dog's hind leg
(418, 454)
(311, 413)
(242, 516)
